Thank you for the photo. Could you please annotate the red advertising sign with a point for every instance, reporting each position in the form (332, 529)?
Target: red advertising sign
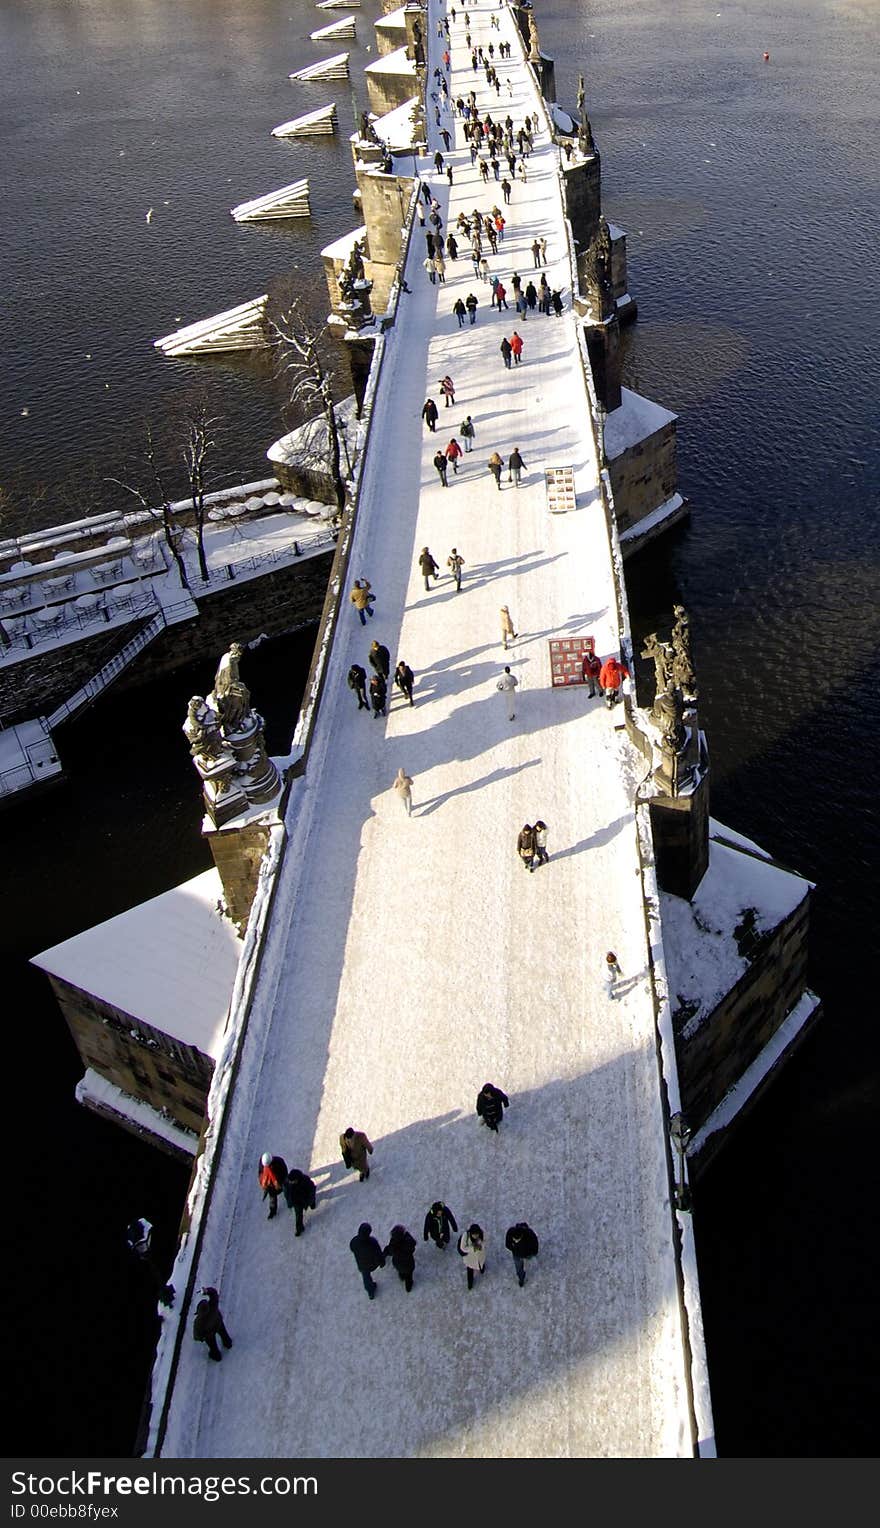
(566, 658)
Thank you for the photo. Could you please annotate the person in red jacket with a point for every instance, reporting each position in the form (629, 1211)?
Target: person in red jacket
(516, 346)
(272, 1174)
(590, 670)
(453, 452)
(611, 677)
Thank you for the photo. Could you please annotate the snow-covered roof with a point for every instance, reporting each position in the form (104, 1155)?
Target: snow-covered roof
(395, 127)
(393, 63)
(702, 959)
(170, 962)
(341, 248)
(634, 421)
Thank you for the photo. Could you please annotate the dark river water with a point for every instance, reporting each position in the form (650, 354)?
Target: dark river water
(749, 192)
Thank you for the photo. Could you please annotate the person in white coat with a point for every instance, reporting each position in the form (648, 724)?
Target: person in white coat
(472, 1247)
(506, 687)
(403, 785)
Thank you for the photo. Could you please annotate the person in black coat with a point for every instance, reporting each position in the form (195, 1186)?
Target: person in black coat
(301, 1194)
(522, 1243)
(404, 679)
(439, 1224)
(402, 1251)
(380, 660)
(208, 1324)
(429, 413)
(491, 1103)
(368, 1255)
(272, 1173)
(357, 681)
(378, 694)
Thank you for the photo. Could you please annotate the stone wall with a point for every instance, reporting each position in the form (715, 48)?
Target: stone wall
(389, 36)
(644, 476)
(384, 201)
(280, 601)
(238, 852)
(735, 1033)
(389, 88)
(36, 685)
(142, 1061)
(583, 201)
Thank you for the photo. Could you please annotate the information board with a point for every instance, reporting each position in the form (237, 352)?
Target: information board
(566, 657)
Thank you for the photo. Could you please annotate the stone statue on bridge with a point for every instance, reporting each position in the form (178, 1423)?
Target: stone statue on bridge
(586, 141)
(674, 709)
(599, 272)
(228, 749)
(534, 40)
(231, 694)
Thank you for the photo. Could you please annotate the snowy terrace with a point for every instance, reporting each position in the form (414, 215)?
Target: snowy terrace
(52, 595)
(408, 960)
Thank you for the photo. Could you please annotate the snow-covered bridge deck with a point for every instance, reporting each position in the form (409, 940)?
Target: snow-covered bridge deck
(410, 960)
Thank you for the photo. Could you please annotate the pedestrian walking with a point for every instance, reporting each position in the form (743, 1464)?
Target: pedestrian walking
(438, 161)
(472, 1247)
(453, 452)
(428, 566)
(543, 244)
(357, 682)
(403, 785)
(611, 677)
(402, 1251)
(506, 626)
(501, 296)
(491, 1104)
(544, 295)
(430, 268)
(368, 1255)
(355, 1149)
(484, 172)
(536, 253)
(525, 846)
(272, 1176)
(460, 311)
(531, 296)
(613, 973)
(467, 432)
(420, 212)
(495, 465)
(378, 695)
(363, 599)
(540, 832)
(301, 1195)
(439, 1223)
(208, 1324)
(590, 671)
(484, 268)
(452, 247)
(440, 268)
(515, 466)
(471, 304)
(446, 138)
(506, 189)
(506, 350)
(500, 225)
(516, 284)
(455, 563)
(506, 686)
(557, 303)
(522, 1243)
(440, 462)
(404, 679)
(516, 345)
(429, 414)
(447, 388)
(379, 659)
(449, 173)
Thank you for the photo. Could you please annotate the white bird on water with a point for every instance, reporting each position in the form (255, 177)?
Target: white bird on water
(150, 215)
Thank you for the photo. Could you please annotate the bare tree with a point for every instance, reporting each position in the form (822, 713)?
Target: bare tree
(303, 364)
(202, 431)
(158, 505)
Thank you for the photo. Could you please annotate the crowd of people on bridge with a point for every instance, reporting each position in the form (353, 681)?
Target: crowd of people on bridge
(491, 143)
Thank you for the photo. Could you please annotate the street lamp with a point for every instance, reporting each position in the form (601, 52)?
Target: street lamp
(680, 1132)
